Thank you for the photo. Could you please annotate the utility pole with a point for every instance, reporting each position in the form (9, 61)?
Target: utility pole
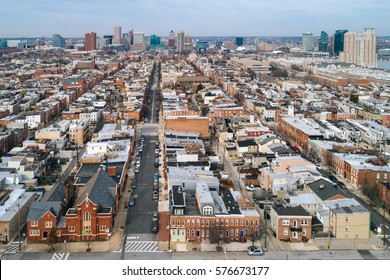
(265, 224)
(265, 232)
(384, 226)
(20, 228)
(328, 228)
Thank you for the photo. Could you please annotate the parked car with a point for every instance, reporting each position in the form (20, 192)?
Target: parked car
(250, 188)
(333, 178)
(137, 169)
(255, 251)
(237, 163)
(155, 176)
(131, 201)
(156, 162)
(155, 195)
(154, 226)
(341, 185)
(155, 216)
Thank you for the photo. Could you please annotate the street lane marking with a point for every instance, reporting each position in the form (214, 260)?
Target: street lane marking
(141, 247)
(60, 256)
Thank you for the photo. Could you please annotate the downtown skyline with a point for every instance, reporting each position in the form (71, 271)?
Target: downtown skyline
(72, 18)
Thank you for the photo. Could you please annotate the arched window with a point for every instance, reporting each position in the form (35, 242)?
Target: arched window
(207, 210)
(87, 217)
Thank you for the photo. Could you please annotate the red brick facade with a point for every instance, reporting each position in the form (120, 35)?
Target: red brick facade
(230, 228)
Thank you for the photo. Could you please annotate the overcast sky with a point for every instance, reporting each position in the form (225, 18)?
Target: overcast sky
(74, 18)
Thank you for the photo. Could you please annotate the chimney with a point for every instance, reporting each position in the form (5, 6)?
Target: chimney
(112, 171)
(322, 186)
(67, 193)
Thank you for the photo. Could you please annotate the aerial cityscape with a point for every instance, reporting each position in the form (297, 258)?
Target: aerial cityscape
(119, 144)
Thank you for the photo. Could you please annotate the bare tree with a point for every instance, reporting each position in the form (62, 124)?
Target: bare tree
(52, 239)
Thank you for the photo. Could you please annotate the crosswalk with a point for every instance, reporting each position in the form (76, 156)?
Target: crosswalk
(13, 248)
(60, 256)
(140, 246)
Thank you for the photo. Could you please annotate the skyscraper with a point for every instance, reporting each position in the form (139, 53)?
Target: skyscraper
(58, 41)
(117, 35)
(180, 42)
(324, 41)
(131, 36)
(360, 48)
(308, 42)
(139, 38)
(155, 41)
(171, 40)
(239, 41)
(339, 41)
(188, 44)
(90, 41)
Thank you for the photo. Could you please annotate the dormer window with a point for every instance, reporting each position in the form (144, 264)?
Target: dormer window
(207, 210)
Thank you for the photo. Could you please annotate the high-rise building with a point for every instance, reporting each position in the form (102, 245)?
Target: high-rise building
(331, 45)
(131, 36)
(117, 35)
(108, 39)
(90, 41)
(239, 41)
(324, 41)
(3, 44)
(58, 41)
(308, 42)
(360, 48)
(139, 38)
(188, 39)
(171, 40)
(180, 41)
(339, 41)
(155, 41)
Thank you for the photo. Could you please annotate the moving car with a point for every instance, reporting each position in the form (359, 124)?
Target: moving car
(255, 251)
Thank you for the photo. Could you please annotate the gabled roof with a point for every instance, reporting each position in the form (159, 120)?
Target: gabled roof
(87, 171)
(100, 189)
(325, 189)
(38, 209)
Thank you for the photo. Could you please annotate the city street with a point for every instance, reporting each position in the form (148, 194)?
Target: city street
(138, 236)
(269, 255)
